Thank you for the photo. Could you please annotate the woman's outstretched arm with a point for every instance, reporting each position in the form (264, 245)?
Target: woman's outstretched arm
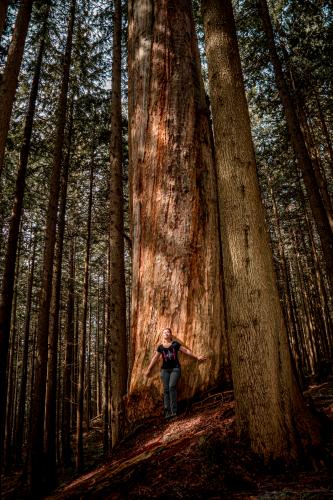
(154, 359)
(189, 353)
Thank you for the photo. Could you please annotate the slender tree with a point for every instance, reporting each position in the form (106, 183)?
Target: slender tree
(117, 294)
(68, 386)
(106, 366)
(52, 366)
(10, 369)
(325, 230)
(83, 331)
(270, 410)
(13, 234)
(37, 473)
(20, 418)
(9, 77)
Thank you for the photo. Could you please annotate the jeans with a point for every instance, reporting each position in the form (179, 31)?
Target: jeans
(170, 377)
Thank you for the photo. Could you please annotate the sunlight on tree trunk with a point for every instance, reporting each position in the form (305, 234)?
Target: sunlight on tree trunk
(177, 280)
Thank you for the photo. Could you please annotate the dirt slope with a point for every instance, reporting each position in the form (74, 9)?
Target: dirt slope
(197, 456)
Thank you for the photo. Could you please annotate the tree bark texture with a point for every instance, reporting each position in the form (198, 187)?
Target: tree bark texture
(177, 280)
(9, 78)
(298, 142)
(117, 294)
(14, 225)
(270, 410)
(37, 473)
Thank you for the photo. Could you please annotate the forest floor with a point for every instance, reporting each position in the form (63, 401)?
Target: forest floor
(197, 456)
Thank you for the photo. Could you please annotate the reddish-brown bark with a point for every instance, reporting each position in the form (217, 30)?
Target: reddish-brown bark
(177, 279)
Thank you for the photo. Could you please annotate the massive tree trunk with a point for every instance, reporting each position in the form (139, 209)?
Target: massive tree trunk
(37, 472)
(9, 78)
(117, 294)
(317, 206)
(14, 225)
(177, 278)
(270, 410)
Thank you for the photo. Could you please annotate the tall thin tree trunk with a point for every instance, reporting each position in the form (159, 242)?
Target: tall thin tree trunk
(20, 420)
(68, 364)
(291, 324)
(97, 354)
(270, 411)
(37, 472)
(106, 363)
(14, 225)
(177, 280)
(88, 390)
(76, 357)
(9, 77)
(318, 270)
(325, 231)
(315, 159)
(51, 389)
(117, 295)
(58, 394)
(83, 333)
(10, 373)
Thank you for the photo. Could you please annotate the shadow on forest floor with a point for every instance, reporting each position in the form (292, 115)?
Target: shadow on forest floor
(198, 456)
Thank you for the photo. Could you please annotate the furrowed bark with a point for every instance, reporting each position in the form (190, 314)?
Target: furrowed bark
(270, 411)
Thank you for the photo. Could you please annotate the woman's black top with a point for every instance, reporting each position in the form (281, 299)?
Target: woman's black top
(169, 354)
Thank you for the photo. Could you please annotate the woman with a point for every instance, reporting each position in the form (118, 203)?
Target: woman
(170, 369)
